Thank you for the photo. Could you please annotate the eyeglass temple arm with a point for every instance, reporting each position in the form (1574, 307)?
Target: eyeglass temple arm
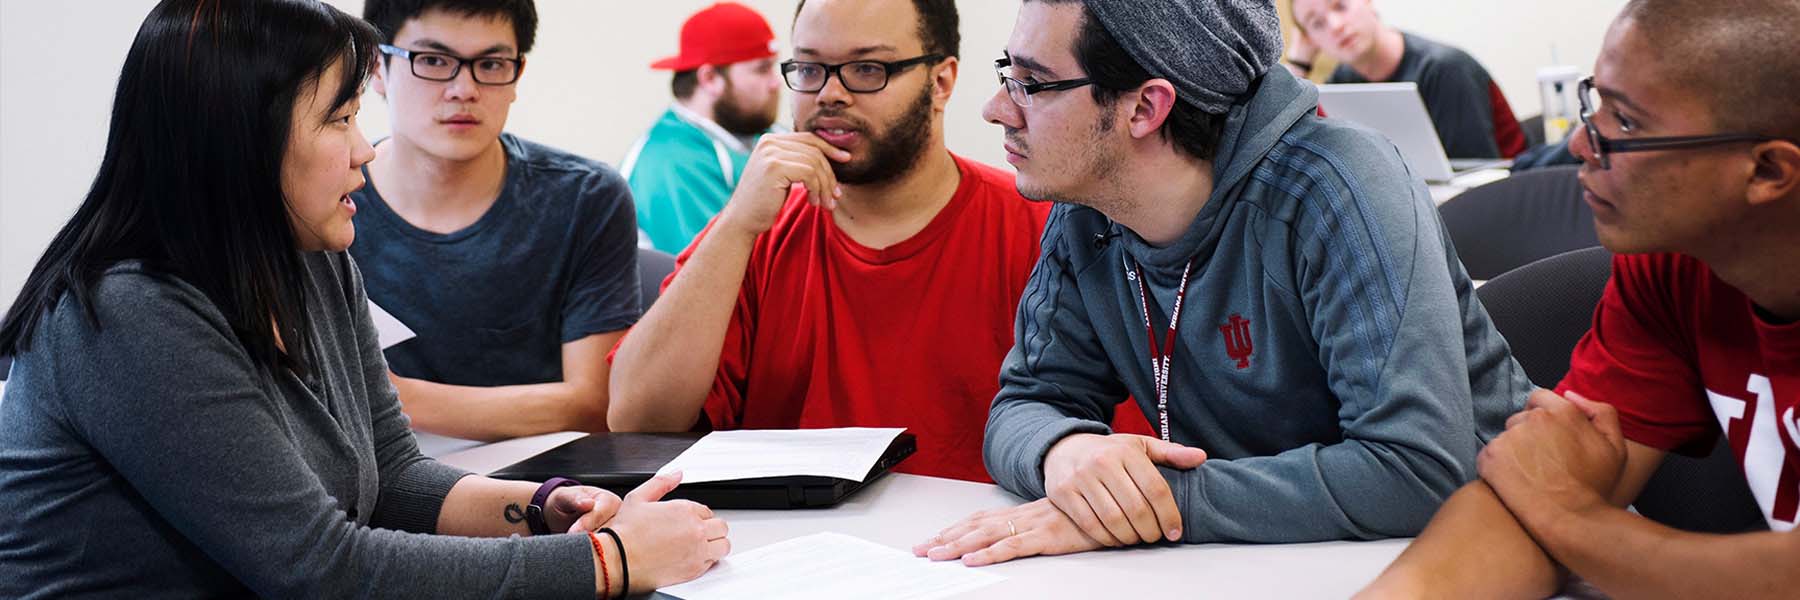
(1671, 143)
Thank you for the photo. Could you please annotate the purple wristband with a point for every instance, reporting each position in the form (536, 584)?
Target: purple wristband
(534, 512)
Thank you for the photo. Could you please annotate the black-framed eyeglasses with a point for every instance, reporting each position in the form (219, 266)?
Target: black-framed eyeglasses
(1603, 146)
(1021, 92)
(858, 76)
(438, 66)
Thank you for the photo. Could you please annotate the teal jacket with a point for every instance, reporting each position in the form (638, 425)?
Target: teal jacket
(1332, 358)
(681, 174)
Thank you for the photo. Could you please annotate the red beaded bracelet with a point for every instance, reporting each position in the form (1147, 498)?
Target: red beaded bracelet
(605, 575)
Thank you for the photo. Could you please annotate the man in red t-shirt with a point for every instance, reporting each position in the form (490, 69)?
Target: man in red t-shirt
(1691, 162)
(861, 275)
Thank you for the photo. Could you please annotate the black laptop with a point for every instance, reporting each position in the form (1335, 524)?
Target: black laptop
(619, 462)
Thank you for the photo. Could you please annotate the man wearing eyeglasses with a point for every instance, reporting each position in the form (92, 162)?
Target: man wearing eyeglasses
(1691, 161)
(1273, 289)
(861, 275)
(513, 262)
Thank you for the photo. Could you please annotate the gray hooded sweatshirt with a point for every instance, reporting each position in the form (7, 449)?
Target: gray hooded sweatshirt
(1371, 375)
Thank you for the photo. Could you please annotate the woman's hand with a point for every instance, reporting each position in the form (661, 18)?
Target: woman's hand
(667, 542)
(579, 508)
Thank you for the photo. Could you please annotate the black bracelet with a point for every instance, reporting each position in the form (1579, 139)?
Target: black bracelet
(624, 565)
(1304, 67)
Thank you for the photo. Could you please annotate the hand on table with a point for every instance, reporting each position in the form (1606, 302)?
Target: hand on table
(667, 542)
(996, 536)
(1110, 487)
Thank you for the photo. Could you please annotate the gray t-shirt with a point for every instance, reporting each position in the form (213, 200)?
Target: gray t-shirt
(149, 457)
(553, 261)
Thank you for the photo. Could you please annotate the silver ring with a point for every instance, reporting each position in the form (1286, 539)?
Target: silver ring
(1010, 530)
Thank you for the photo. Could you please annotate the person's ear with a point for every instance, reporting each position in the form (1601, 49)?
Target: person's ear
(943, 82)
(378, 79)
(711, 79)
(1156, 98)
(1775, 173)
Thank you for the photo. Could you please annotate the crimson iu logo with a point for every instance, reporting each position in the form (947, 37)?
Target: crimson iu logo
(1237, 340)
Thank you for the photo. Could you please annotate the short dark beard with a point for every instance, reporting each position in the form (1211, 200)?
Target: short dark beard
(736, 118)
(1104, 166)
(895, 151)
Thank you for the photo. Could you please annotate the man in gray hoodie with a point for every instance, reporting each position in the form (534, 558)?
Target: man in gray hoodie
(1274, 290)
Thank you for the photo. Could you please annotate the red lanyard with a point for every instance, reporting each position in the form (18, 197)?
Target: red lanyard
(1161, 358)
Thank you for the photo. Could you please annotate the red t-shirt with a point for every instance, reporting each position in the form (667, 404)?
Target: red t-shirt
(1683, 356)
(830, 333)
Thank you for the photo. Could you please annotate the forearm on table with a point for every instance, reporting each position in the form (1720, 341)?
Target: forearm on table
(1629, 556)
(1020, 433)
(484, 507)
(480, 506)
(1472, 548)
(1354, 489)
(665, 368)
(505, 412)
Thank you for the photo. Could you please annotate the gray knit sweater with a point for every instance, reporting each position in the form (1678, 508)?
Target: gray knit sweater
(149, 457)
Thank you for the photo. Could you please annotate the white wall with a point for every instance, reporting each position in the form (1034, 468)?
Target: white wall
(589, 88)
(1513, 38)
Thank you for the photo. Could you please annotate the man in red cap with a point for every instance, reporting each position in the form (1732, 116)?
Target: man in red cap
(727, 95)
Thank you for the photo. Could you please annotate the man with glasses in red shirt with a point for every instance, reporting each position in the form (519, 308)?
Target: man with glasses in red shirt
(861, 274)
(1691, 161)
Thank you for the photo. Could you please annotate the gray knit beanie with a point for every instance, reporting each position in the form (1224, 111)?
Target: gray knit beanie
(1212, 50)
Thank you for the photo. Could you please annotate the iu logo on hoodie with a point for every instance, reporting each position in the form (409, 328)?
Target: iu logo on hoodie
(1237, 340)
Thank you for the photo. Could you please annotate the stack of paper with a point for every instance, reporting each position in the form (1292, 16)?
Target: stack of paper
(831, 566)
(846, 453)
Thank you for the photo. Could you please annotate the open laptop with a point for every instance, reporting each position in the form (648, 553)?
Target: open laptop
(619, 462)
(1396, 111)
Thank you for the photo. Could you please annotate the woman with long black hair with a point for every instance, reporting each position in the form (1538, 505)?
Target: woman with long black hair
(198, 404)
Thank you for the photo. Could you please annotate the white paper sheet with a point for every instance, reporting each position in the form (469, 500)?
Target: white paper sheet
(831, 566)
(846, 453)
(388, 330)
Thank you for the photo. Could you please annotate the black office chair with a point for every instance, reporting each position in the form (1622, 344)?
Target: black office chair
(1509, 223)
(1533, 128)
(653, 267)
(1543, 309)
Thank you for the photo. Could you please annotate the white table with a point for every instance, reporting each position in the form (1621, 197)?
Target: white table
(902, 510)
(1443, 192)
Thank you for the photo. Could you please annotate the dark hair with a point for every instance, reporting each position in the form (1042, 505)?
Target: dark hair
(940, 29)
(190, 183)
(684, 82)
(1739, 56)
(1192, 130)
(389, 15)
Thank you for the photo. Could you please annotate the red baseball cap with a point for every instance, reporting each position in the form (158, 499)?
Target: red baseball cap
(721, 34)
